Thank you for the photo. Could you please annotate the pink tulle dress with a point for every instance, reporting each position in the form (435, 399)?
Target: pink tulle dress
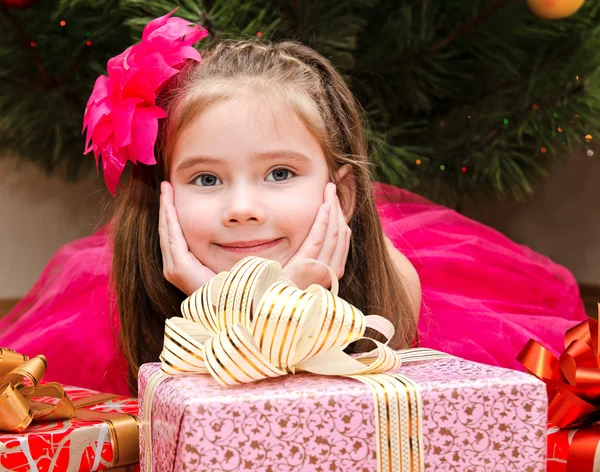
(484, 296)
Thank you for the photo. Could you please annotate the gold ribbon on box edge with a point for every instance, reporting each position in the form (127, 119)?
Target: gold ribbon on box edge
(18, 409)
(249, 324)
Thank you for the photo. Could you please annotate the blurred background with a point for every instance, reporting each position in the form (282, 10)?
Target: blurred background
(489, 107)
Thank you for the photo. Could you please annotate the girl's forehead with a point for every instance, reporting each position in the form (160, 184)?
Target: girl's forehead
(245, 125)
(247, 110)
(244, 119)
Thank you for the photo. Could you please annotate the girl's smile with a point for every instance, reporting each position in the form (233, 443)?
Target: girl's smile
(249, 246)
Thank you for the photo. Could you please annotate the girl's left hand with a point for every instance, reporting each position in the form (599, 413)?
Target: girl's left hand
(328, 241)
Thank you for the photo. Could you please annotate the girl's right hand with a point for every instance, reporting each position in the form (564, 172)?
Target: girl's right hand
(180, 266)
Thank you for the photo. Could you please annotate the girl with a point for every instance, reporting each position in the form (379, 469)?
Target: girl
(260, 151)
(257, 143)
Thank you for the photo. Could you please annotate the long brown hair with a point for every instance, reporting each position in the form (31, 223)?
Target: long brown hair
(322, 100)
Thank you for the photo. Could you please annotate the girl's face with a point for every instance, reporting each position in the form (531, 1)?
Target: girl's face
(248, 179)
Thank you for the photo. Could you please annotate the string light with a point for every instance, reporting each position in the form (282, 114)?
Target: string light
(555, 115)
(63, 23)
(588, 138)
(468, 117)
(543, 150)
(88, 43)
(259, 34)
(534, 106)
(464, 168)
(560, 130)
(590, 152)
(33, 44)
(505, 121)
(442, 167)
(418, 161)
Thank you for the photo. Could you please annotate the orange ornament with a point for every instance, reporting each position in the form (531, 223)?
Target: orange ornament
(554, 9)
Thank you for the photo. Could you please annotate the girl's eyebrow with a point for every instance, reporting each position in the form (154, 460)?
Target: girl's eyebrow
(289, 154)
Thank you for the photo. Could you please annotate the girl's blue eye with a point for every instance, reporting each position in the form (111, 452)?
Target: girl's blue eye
(206, 180)
(279, 175)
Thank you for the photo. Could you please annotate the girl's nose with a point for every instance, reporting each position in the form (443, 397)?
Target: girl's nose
(244, 207)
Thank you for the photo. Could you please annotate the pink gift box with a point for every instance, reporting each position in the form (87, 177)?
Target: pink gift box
(475, 418)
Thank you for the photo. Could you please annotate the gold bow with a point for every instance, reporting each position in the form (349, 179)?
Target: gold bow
(249, 324)
(17, 410)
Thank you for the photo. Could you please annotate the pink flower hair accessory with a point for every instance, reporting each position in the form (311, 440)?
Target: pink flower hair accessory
(121, 116)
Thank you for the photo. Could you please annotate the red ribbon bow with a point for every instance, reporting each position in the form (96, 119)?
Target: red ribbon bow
(573, 380)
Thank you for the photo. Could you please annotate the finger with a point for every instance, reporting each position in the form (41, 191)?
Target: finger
(314, 241)
(177, 243)
(331, 236)
(163, 230)
(338, 261)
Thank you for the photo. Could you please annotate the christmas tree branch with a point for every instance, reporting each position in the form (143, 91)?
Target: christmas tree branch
(22, 84)
(515, 116)
(467, 26)
(74, 65)
(24, 40)
(553, 101)
(294, 27)
(462, 30)
(510, 83)
(207, 20)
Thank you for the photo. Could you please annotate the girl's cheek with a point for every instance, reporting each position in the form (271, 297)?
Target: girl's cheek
(193, 223)
(303, 218)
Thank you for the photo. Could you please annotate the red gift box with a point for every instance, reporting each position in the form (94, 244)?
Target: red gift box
(573, 387)
(102, 435)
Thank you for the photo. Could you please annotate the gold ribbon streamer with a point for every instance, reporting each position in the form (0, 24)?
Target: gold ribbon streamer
(398, 419)
(250, 324)
(18, 409)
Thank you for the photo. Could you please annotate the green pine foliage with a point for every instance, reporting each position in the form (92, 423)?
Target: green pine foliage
(44, 89)
(461, 98)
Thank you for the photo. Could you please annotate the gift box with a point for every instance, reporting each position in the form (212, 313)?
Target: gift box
(103, 435)
(222, 397)
(475, 417)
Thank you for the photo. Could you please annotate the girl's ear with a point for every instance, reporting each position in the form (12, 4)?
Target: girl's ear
(346, 190)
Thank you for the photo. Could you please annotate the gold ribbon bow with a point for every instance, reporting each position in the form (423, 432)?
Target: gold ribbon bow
(17, 410)
(573, 379)
(249, 324)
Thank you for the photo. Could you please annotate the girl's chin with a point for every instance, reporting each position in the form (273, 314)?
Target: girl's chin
(226, 262)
